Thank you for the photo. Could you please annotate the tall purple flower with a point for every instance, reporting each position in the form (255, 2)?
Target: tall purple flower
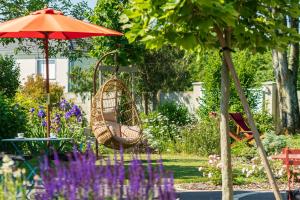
(64, 104)
(41, 113)
(82, 178)
(76, 110)
(44, 123)
(68, 114)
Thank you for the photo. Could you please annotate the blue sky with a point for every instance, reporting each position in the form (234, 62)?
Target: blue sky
(91, 3)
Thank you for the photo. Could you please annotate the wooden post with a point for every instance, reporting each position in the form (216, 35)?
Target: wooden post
(227, 190)
(46, 46)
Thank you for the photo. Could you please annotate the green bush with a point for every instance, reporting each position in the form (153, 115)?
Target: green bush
(159, 131)
(9, 76)
(243, 150)
(34, 91)
(274, 143)
(67, 120)
(176, 113)
(264, 122)
(12, 118)
(202, 138)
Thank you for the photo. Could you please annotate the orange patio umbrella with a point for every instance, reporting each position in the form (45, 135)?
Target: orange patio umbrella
(51, 24)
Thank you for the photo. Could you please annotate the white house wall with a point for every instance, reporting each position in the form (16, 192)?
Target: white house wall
(28, 67)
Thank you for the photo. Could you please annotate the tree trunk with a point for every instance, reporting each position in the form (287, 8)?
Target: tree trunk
(227, 190)
(262, 152)
(286, 81)
(145, 98)
(154, 100)
(286, 70)
(280, 124)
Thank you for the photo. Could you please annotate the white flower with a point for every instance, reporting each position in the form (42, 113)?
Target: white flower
(210, 175)
(249, 173)
(253, 167)
(244, 170)
(6, 159)
(219, 165)
(200, 169)
(17, 173)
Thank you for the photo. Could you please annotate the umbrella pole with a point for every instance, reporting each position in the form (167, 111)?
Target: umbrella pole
(46, 45)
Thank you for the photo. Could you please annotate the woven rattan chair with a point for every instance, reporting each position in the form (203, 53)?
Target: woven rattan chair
(115, 121)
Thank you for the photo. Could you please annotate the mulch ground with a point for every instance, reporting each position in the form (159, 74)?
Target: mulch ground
(251, 186)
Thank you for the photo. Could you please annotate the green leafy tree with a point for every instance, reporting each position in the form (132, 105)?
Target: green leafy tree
(82, 80)
(9, 76)
(252, 70)
(239, 24)
(158, 70)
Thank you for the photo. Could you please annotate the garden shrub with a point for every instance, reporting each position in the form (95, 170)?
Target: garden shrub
(176, 113)
(264, 122)
(9, 76)
(159, 131)
(12, 118)
(11, 180)
(243, 150)
(202, 138)
(67, 120)
(34, 88)
(274, 143)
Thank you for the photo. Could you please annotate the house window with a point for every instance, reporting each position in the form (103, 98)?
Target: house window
(41, 69)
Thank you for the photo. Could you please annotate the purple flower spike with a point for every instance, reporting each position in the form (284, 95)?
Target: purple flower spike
(41, 114)
(76, 111)
(64, 104)
(84, 178)
(31, 110)
(44, 123)
(68, 115)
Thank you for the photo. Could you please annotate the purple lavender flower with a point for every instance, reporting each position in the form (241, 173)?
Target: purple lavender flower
(68, 114)
(76, 110)
(57, 118)
(44, 123)
(41, 114)
(79, 119)
(82, 178)
(64, 104)
(31, 110)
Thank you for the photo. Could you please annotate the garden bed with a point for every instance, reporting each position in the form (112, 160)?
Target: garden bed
(250, 186)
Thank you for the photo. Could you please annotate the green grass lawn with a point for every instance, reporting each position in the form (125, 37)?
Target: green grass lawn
(185, 167)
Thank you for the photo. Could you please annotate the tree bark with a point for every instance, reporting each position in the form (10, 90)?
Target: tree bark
(227, 188)
(286, 70)
(145, 98)
(279, 125)
(262, 152)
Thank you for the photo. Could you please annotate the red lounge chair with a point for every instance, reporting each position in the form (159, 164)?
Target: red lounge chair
(242, 129)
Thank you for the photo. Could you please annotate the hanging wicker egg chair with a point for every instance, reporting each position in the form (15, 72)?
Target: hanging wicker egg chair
(115, 121)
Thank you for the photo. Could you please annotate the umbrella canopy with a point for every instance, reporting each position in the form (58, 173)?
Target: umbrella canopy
(51, 24)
